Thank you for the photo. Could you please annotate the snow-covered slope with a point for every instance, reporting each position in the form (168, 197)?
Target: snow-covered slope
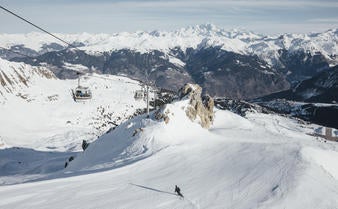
(41, 126)
(238, 41)
(262, 161)
(17, 76)
(38, 111)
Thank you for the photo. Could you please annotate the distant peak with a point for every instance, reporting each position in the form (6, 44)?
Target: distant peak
(208, 26)
(202, 28)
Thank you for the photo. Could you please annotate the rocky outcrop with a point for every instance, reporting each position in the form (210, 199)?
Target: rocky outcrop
(198, 109)
(165, 116)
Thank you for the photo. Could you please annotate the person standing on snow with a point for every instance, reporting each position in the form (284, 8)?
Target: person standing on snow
(178, 191)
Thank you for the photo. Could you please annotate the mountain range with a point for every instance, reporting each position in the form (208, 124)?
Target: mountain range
(233, 63)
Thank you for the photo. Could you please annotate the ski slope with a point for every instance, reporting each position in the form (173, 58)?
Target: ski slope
(40, 124)
(38, 111)
(262, 161)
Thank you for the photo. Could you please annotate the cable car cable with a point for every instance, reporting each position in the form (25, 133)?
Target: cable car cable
(29, 22)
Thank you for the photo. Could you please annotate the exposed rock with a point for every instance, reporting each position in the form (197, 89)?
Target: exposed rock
(197, 109)
(159, 115)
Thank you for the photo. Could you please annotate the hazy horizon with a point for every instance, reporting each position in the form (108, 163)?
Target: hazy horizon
(268, 17)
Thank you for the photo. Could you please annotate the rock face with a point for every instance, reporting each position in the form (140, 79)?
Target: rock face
(199, 109)
(159, 115)
(17, 76)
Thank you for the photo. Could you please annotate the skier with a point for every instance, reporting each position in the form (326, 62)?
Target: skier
(178, 191)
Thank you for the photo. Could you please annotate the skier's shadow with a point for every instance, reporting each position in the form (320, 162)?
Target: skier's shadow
(153, 189)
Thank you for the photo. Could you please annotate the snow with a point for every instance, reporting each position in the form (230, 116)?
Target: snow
(75, 67)
(260, 161)
(326, 159)
(43, 115)
(176, 61)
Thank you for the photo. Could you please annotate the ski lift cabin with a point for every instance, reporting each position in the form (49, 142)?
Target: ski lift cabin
(81, 93)
(139, 94)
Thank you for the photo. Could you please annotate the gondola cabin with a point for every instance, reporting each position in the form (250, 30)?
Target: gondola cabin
(82, 93)
(139, 94)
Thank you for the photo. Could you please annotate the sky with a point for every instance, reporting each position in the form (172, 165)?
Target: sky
(109, 16)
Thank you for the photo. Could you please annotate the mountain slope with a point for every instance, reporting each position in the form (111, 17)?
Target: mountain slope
(208, 67)
(16, 76)
(42, 126)
(262, 161)
(321, 88)
(223, 73)
(39, 112)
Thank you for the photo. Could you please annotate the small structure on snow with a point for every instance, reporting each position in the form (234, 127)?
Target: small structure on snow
(327, 133)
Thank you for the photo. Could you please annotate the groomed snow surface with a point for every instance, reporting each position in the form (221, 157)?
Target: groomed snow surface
(262, 161)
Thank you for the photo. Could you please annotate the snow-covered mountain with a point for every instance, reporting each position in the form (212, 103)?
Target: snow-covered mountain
(238, 41)
(256, 161)
(15, 77)
(202, 54)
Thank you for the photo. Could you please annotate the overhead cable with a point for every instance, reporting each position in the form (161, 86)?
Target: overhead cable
(29, 22)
